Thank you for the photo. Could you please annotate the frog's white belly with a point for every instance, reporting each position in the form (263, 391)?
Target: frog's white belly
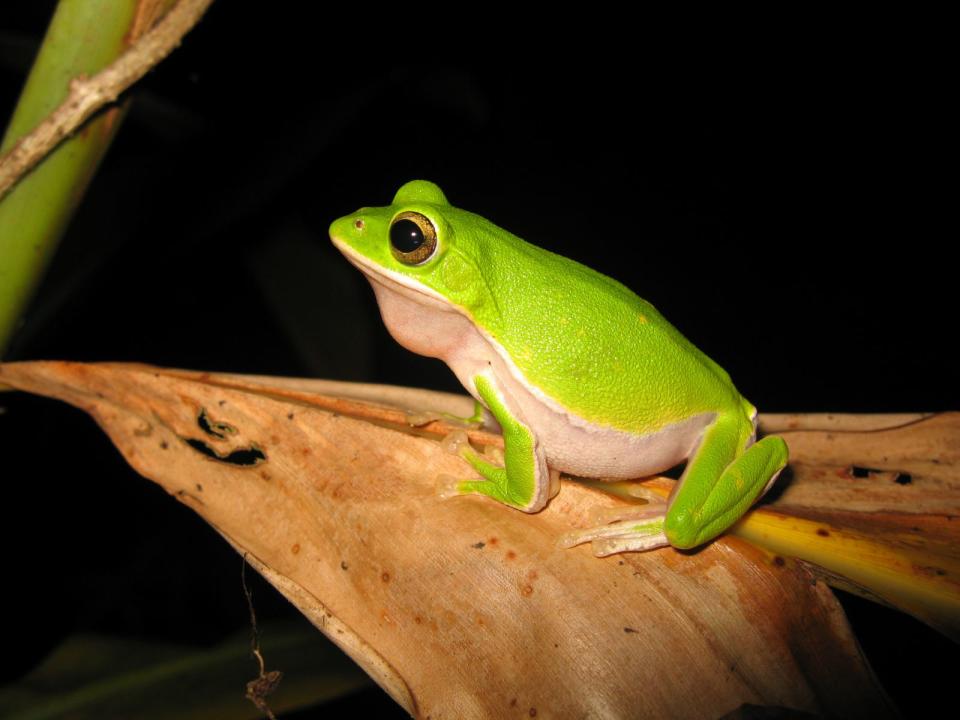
(430, 326)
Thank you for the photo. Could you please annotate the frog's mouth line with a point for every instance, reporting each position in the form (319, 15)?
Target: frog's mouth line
(395, 281)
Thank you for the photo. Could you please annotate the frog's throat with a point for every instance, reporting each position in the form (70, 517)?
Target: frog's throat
(421, 294)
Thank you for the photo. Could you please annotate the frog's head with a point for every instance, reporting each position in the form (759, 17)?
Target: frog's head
(420, 242)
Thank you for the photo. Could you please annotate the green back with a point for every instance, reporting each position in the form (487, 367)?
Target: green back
(581, 336)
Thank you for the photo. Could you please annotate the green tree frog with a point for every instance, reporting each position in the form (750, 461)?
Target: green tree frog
(583, 376)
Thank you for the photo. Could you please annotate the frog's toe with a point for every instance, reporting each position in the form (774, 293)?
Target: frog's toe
(419, 419)
(599, 515)
(448, 487)
(611, 546)
(455, 443)
(644, 531)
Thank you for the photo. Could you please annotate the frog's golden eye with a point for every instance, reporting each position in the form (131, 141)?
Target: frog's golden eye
(413, 238)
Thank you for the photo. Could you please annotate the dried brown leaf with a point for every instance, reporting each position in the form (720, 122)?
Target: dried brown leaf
(462, 607)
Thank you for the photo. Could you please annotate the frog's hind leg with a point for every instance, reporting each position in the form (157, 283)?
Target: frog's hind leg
(724, 477)
(727, 474)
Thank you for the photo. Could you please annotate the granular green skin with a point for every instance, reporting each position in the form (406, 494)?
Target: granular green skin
(572, 332)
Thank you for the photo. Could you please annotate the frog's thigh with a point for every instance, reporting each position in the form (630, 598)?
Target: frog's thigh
(524, 481)
(721, 483)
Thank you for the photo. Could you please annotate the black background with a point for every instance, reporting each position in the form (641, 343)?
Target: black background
(781, 197)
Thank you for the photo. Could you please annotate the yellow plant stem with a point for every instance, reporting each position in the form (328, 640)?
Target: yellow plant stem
(917, 580)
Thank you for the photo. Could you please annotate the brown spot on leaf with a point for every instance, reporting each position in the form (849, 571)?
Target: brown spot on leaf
(511, 555)
(385, 576)
(929, 570)
(295, 548)
(183, 494)
(526, 590)
(823, 533)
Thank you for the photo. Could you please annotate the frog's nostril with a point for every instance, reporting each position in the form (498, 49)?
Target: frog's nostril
(359, 224)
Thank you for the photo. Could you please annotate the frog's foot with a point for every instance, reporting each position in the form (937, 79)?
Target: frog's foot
(457, 443)
(496, 487)
(642, 531)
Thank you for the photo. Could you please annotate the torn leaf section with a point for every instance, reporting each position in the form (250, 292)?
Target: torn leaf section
(244, 457)
(217, 429)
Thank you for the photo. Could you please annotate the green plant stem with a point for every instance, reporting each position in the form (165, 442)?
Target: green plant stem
(84, 36)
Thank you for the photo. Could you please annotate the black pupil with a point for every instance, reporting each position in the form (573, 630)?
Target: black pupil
(406, 236)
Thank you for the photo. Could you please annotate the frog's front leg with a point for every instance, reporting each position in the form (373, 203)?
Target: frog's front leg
(524, 482)
(725, 475)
